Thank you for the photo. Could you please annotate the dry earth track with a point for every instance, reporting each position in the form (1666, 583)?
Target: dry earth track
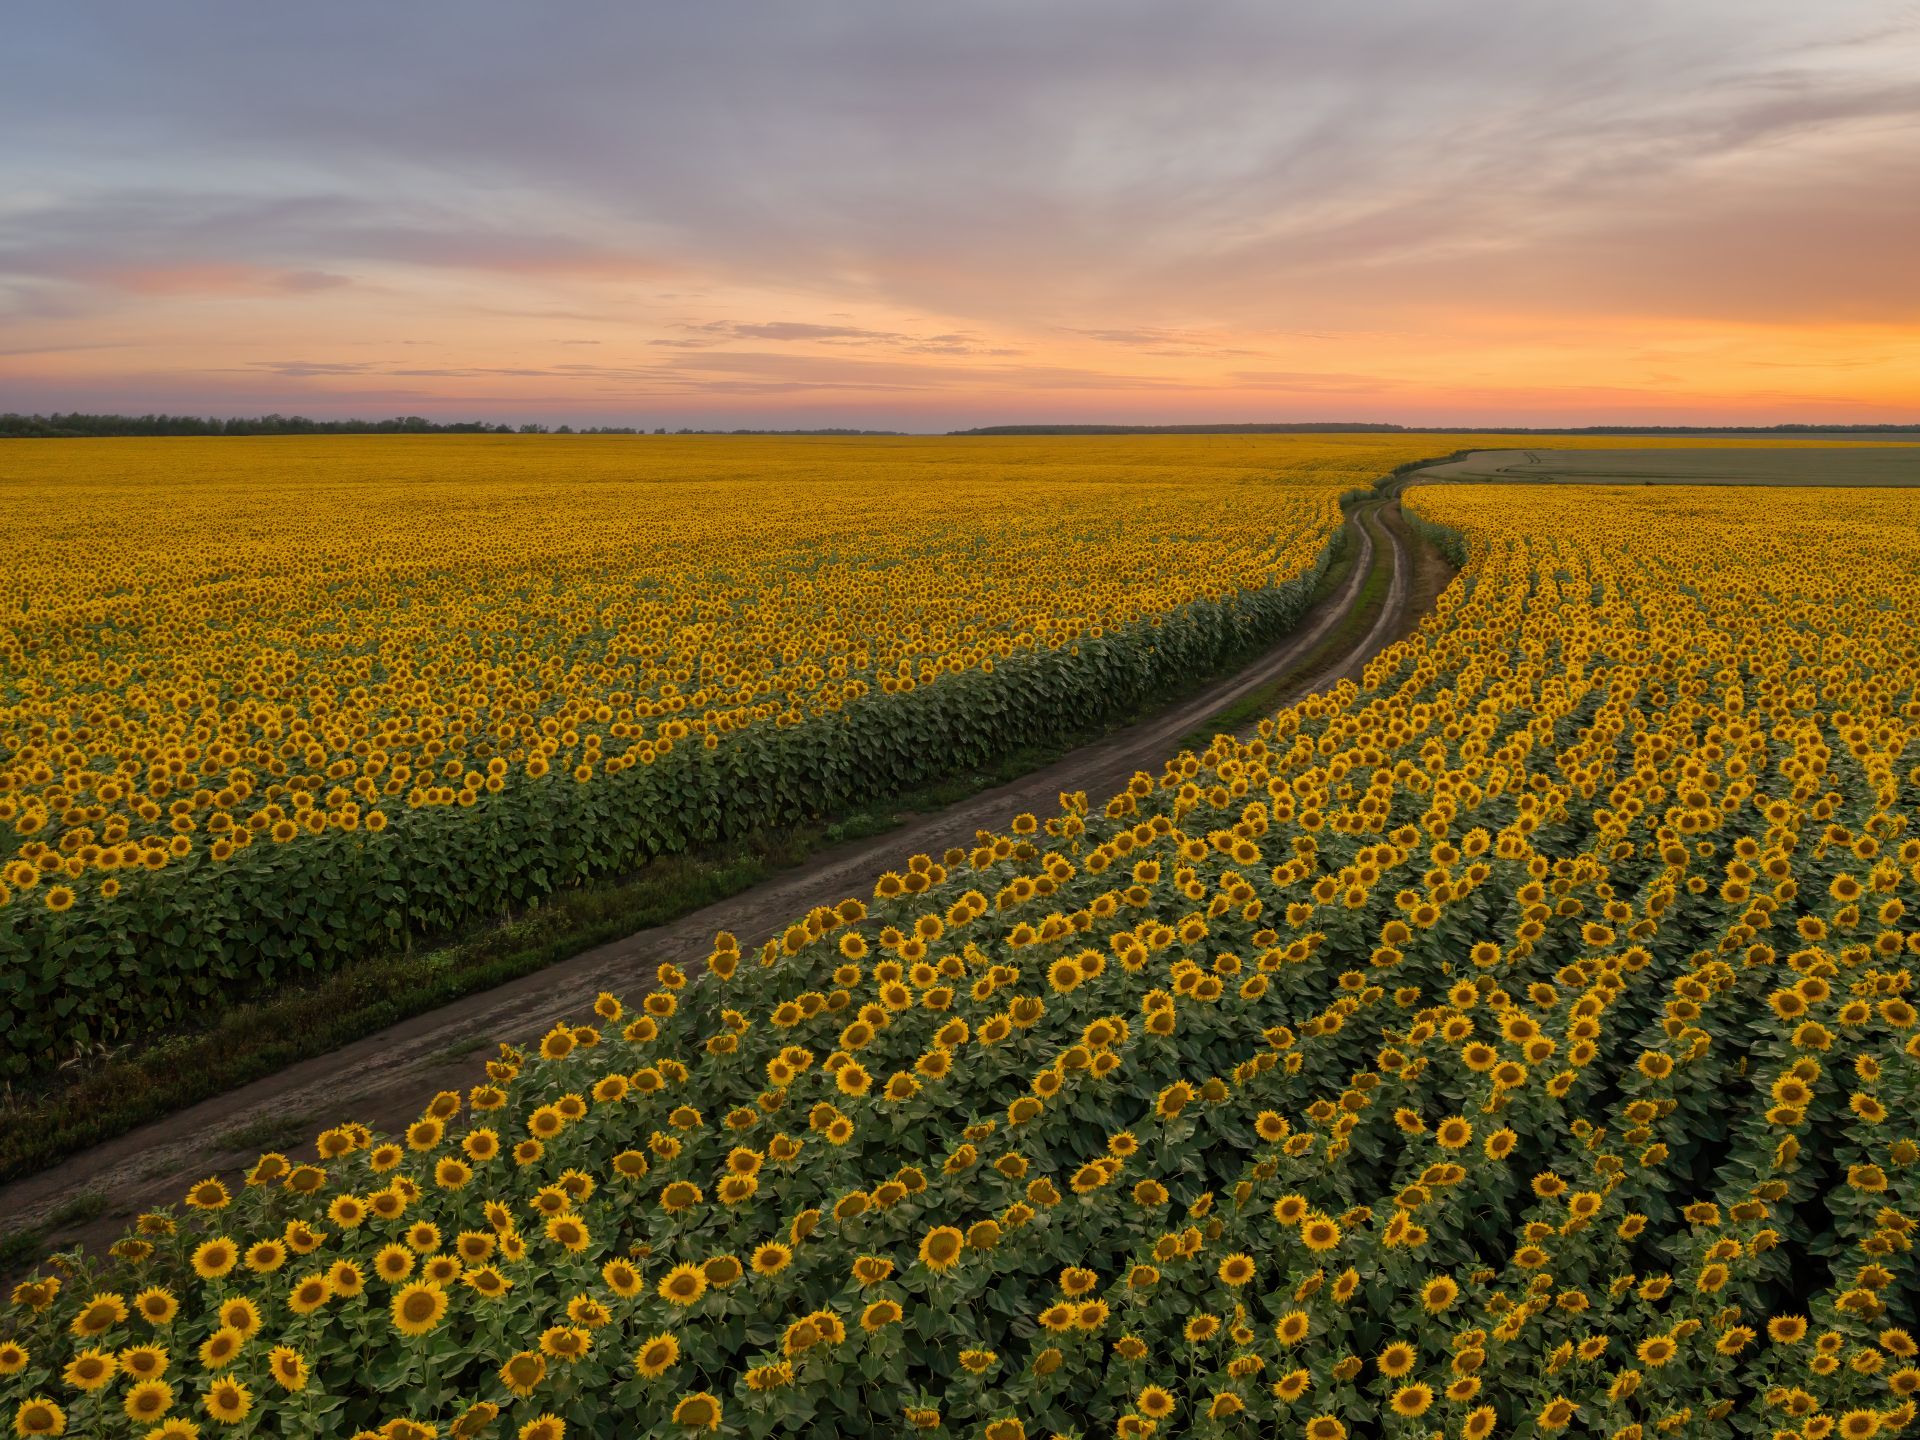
(384, 1079)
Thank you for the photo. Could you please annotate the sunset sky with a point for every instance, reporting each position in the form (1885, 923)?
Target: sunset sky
(921, 216)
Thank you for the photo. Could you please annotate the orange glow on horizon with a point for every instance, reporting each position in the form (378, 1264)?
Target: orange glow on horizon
(193, 340)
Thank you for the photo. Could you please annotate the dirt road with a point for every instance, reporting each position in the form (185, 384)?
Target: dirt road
(386, 1078)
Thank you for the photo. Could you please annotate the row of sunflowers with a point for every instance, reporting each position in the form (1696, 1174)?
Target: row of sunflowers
(269, 706)
(1517, 1042)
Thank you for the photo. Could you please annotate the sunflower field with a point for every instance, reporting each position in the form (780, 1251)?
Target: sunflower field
(1519, 1042)
(272, 704)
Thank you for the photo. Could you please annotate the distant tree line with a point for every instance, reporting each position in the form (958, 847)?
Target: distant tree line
(1311, 427)
(1318, 427)
(1788, 429)
(77, 424)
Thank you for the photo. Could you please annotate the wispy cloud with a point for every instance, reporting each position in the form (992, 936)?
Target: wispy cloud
(714, 332)
(1242, 205)
(795, 330)
(307, 369)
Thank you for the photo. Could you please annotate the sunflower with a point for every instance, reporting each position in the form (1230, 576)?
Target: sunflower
(1412, 1399)
(1154, 1402)
(771, 1258)
(682, 1285)
(1655, 1351)
(240, 1314)
(1291, 1328)
(1453, 1133)
(227, 1401)
(147, 1401)
(38, 1415)
(1558, 1413)
(621, 1278)
(90, 1369)
(698, 1411)
(523, 1372)
(393, 1264)
(565, 1343)
(1438, 1294)
(1786, 1329)
(1291, 1386)
(941, 1248)
(588, 1313)
(1319, 1233)
(214, 1258)
(761, 1378)
(221, 1348)
(1397, 1359)
(1058, 1317)
(1077, 1280)
(288, 1368)
(679, 1196)
(418, 1308)
(344, 1279)
(157, 1306)
(423, 1237)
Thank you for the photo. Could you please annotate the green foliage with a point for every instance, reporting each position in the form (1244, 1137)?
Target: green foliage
(204, 935)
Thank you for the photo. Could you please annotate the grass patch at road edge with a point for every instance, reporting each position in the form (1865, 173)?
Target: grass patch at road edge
(1353, 625)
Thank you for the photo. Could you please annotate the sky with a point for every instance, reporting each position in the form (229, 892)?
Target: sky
(921, 217)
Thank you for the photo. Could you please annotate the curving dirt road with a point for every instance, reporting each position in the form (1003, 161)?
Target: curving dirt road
(385, 1078)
